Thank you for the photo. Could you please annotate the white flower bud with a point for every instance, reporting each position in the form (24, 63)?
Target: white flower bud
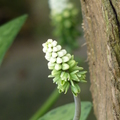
(62, 53)
(51, 64)
(50, 40)
(44, 50)
(54, 54)
(44, 44)
(69, 56)
(59, 60)
(65, 59)
(50, 50)
(48, 54)
(50, 45)
(65, 66)
(52, 60)
(58, 67)
(47, 58)
(55, 49)
(54, 43)
(59, 47)
(50, 67)
(55, 4)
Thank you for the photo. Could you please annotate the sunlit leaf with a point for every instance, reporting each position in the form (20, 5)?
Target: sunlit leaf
(8, 33)
(66, 112)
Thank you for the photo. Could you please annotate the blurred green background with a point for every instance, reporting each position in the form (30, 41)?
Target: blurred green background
(24, 85)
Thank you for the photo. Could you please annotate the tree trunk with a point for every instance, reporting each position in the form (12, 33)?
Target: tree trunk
(101, 23)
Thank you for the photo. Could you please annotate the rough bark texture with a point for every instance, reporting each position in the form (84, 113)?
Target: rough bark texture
(101, 23)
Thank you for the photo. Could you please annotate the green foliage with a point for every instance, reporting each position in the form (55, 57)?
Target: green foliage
(8, 32)
(65, 24)
(66, 112)
(47, 105)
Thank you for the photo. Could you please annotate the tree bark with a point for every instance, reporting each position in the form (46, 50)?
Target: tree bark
(101, 23)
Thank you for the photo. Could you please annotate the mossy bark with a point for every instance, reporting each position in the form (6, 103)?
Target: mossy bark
(101, 23)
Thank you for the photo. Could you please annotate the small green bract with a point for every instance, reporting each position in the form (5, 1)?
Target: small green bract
(65, 71)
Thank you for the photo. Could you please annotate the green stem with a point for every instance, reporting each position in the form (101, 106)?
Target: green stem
(47, 105)
(77, 107)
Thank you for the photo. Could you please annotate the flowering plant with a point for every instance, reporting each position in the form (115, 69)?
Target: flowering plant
(64, 19)
(65, 71)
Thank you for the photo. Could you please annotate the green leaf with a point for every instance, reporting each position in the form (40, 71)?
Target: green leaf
(66, 112)
(8, 33)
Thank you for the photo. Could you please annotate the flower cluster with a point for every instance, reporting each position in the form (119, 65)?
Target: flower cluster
(55, 4)
(64, 19)
(64, 68)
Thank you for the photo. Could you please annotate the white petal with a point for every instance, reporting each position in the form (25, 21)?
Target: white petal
(65, 59)
(50, 40)
(59, 47)
(47, 58)
(44, 50)
(64, 51)
(55, 49)
(51, 64)
(60, 54)
(54, 54)
(50, 50)
(59, 60)
(48, 54)
(44, 44)
(54, 43)
(50, 45)
(58, 67)
(69, 55)
(52, 60)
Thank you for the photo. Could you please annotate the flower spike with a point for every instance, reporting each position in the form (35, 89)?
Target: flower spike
(65, 71)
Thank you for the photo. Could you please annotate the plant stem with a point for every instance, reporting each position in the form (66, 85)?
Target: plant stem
(77, 107)
(47, 105)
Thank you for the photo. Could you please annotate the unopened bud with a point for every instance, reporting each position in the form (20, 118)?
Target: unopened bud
(47, 58)
(58, 67)
(65, 59)
(54, 54)
(52, 60)
(50, 50)
(71, 63)
(44, 50)
(59, 60)
(65, 66)
(54, 43)
(50, 40)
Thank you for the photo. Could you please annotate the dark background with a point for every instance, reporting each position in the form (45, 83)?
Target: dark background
(24, 85)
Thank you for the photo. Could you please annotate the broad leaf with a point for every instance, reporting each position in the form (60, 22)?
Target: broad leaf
(8, 33)
(66, 112)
